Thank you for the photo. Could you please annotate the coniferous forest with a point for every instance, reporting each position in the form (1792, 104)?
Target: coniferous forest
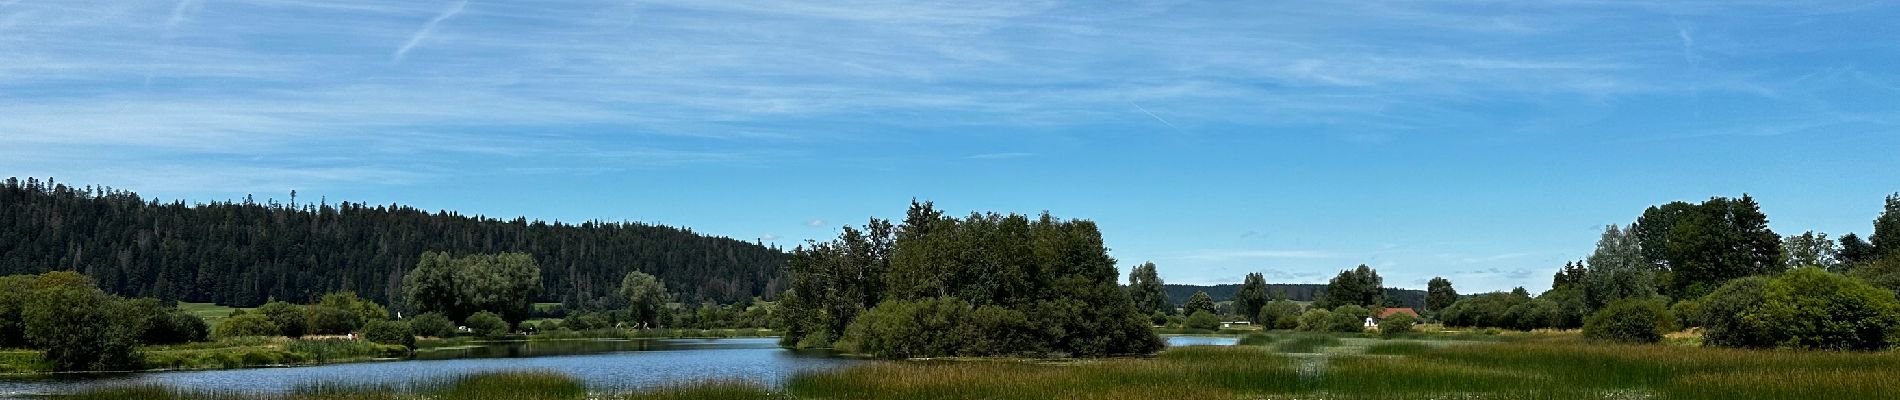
(245, 253)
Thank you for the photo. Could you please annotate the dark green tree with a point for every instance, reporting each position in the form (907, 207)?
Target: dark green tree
(1439, 294)
(1854, 250)
(1280, 314)
(79, 327)
(487, 324)
(1251, 297)
(646, 296)
(289, 318)
(1144, 288)
(1200, 301)
(1886, 237)
(1360, 286)
(432, 325)
(504, 284)
(1710, 243)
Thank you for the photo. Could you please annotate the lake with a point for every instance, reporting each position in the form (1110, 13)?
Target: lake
(604, 365)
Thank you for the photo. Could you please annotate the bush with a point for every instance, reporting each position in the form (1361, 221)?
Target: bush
(908, 328)
(290, 318)
(1348, 318)
(325, 320)
(175, 327)
(80, 327)
(1631, 321)
(487, 324)
(1689, 312)
(432, 324)
(1315, 320)
(1397, 324)
(1203, 320)
(548, 325)
(1806, 308)
(390, 332)
(248, 324)
(1280, 314)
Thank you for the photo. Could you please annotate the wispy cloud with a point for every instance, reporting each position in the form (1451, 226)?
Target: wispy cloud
(997, 156)
(427, 29)
(815, 223)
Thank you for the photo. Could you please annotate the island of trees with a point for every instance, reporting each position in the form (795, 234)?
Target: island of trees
(981, 285)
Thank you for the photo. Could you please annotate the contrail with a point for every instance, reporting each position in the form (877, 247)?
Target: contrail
(1144, 110)
(427, 29)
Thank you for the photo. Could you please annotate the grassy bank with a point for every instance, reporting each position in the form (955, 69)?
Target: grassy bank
(1324, 367)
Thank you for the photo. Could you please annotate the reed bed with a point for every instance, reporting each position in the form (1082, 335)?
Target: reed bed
(1306, 343)
(1255, 339)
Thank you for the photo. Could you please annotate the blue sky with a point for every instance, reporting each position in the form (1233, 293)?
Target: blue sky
(1483, 141)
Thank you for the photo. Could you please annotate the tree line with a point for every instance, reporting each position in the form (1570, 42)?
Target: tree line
(981, 285)
(1716, 265)
(247, 253)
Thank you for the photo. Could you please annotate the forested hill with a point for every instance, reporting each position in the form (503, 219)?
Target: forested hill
(244, 253)
(1179, 294)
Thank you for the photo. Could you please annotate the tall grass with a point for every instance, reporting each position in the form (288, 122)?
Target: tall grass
(1306, 343)
(1255, 339)
(1196, 372)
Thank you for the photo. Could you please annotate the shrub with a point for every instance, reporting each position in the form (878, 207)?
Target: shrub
(1280, 314)
(1630, 320)
(548, 325)
(1730, 315)
(908, 328)
(1315, 320)
(390, 332)
(1689, 312)
(487, 324)
(80, 327)
(173, 327)
(248, 324)
(1815, 309)
(1203, 320)
(432, 324)
(290, 318)
(326, 320)
(1348, 318)
(1397, 324)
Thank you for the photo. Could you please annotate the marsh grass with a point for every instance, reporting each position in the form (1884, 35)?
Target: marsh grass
(1398, 348)
(1195, 372)
(1306, 342)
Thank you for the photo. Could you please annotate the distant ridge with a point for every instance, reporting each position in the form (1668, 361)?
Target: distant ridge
(244, 253)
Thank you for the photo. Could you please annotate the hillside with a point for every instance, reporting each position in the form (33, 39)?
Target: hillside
(1297, 292)
(245, 253)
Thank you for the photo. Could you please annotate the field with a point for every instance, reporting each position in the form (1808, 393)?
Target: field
(211, 313)
(1274, 365)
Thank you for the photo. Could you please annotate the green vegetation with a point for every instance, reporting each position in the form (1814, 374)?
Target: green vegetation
(1360, 286)
(1145, 290)
(1632, 321)
(1255, 339)
(247, 252)
(1306, 343)
(459, 287)
(1279, 314)
(1045, 286)
(1397, 325)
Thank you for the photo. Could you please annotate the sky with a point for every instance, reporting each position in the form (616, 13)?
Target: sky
(1487, 142)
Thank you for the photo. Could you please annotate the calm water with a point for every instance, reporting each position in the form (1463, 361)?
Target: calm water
(605, 365)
